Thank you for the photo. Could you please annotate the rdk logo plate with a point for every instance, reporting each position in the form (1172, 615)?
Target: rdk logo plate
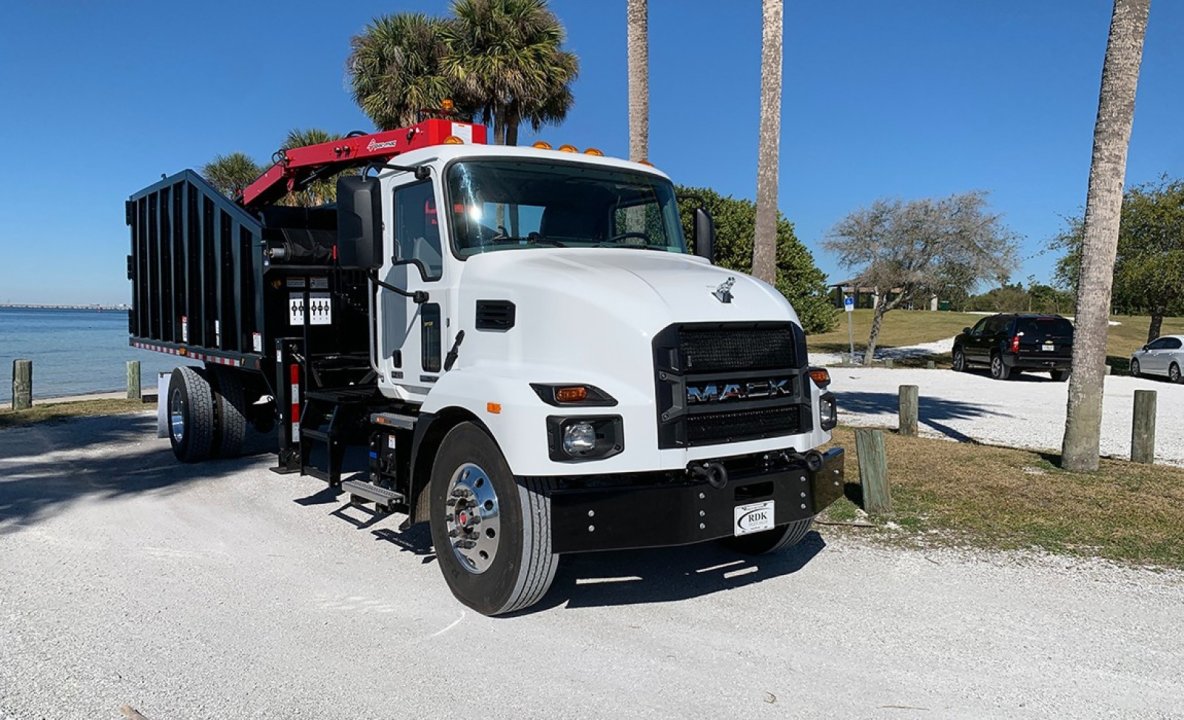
(753, 517)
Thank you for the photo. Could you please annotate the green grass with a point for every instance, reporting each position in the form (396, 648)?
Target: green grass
(1005, 498)
(899, 328)
(56, 412)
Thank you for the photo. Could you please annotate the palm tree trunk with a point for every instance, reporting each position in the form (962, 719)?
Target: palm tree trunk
(764, 246)
(637, 40)
(1103, 210)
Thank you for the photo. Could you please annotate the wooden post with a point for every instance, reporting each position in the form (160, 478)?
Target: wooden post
(22, 384)
(930, 365)
(908, 409)
(887, 362)
(1143, 427)
(873, 471)
(133, 380)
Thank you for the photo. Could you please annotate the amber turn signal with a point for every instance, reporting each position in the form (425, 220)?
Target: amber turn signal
(820, 376)
(576, 394)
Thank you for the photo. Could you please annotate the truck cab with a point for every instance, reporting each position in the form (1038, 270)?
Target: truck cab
(551, 370)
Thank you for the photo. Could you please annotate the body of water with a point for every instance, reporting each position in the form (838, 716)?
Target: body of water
(73, 352)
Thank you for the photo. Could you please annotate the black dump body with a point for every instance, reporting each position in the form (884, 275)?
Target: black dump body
(217, 283)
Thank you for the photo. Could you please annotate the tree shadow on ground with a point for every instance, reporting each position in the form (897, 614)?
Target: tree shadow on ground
(931, 411)
(44, 468)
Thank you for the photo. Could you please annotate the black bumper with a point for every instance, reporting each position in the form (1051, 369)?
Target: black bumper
(1037, 362)
(659, 514)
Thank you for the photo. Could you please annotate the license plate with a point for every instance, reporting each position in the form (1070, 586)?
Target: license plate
(753, 517)
(1049, 347)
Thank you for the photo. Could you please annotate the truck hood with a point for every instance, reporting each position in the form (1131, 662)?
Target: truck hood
(646, 289)
(598, 310)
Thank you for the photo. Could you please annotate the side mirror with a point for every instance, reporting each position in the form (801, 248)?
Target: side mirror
(1144, 348)
(704, 231)
(966, 330)
(359, 222)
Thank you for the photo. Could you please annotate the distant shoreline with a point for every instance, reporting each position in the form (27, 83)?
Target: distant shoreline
(32, 306)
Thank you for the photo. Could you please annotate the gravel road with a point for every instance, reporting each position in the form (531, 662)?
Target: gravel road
(1028, 411)
(225, 591)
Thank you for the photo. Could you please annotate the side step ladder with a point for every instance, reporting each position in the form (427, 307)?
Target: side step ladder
(332, 419)
(361, 491)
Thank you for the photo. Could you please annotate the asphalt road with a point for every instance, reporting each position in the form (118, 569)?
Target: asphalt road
(225, 591)
(1028, 411)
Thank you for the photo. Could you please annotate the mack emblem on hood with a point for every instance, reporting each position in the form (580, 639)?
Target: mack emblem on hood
(723, 293)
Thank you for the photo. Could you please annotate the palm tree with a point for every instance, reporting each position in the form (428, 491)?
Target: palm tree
(506, 59)
(637, 40)
(396, 68)
(231, 173)
(1103, 211)
(764, 248)
(323, 190)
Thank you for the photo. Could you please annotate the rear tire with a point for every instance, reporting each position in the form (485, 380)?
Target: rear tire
(770, 541)
(512, 568)
(191, 415)
(999, 369)
(1059, 375)
(1174, 373)
(230, 401)
(959, 360)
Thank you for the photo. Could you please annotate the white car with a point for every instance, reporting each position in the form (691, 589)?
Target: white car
(1162, 356)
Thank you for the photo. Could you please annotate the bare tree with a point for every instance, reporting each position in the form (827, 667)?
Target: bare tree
(1103, 212)
(638, 39)
(911, 250)
(764, 249)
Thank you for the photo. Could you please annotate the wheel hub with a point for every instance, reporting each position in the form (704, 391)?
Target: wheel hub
(472, 518)
(177, 415)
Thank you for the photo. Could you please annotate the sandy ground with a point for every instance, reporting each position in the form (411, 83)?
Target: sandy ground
(223, 590)
(1028, 411)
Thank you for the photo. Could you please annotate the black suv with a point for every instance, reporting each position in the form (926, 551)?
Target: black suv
(1013, 343)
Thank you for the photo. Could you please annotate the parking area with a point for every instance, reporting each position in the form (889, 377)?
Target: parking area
(223, 590)
(1027, 411)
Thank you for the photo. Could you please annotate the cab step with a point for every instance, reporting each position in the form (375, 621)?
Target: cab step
(361, 491)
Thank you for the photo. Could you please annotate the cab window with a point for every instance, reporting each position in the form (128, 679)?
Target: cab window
(417, 228)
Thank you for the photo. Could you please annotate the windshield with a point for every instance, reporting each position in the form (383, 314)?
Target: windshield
(517, 204)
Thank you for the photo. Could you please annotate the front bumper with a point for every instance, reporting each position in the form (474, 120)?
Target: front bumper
(621, 514)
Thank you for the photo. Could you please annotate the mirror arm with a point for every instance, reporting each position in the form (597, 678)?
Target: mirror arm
(421, 172)
(419, 297)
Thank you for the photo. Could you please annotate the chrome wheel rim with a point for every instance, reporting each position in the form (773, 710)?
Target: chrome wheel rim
(472, 518)
(1174, 374)
(959, 360)
(177, 415)
(996, 366)
(1134, 367)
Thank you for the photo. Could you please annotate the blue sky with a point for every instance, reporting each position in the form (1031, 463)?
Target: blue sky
(901, 99)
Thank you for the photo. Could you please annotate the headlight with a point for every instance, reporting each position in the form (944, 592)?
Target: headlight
(828, 411)
(578, 439)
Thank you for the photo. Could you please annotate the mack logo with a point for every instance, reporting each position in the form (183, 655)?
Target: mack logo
(723, 293)
(716, 392)
(374, 145)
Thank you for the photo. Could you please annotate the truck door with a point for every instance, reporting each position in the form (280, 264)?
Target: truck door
(413, 336)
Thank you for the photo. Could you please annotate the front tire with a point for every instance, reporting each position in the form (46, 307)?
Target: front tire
(999, 369)
(1135, 368)
(191, 415)
(959, 360)
(770, 541)
(493, 542)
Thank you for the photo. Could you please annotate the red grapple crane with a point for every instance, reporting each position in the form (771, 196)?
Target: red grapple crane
(295, 168)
